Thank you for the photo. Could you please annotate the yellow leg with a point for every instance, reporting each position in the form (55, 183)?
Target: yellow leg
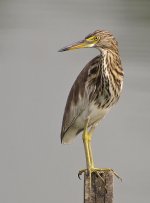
(88, 150)
(90, 133)
(87, 136)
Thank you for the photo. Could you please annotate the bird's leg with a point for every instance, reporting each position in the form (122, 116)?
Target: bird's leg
(98, 171)
(85, 138)
(90, 133)
(92, 169)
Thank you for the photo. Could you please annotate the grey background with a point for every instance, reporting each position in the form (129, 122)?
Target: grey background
(34, 83)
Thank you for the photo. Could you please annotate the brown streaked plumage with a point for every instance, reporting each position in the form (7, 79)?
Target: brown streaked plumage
(96, 89)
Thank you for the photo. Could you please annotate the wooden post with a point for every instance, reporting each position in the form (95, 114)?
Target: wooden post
(98, 189)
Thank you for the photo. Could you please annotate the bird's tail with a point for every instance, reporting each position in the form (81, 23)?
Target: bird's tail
(69, 136)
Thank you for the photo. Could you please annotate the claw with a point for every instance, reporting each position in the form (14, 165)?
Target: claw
(117, 175)
(82, 171)
(98, 172)
(79, 174)
(99, 175)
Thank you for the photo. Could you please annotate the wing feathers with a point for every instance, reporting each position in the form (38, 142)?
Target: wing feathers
(77, 101)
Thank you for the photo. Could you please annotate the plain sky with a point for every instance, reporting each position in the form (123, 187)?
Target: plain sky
(34, 83)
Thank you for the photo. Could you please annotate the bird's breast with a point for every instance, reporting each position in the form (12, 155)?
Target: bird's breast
(97, 113)
(94, 113)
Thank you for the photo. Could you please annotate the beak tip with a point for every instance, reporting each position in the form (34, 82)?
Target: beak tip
(77, 45)
(62, 50)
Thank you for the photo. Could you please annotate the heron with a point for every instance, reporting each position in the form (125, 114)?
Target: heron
(95, 91)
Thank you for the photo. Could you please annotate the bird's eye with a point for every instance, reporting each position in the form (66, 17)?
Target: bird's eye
(96, 38)
(93, 38)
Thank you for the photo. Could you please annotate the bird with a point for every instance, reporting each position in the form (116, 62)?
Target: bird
(95, 91)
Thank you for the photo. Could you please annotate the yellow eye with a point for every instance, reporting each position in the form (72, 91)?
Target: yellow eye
(95, 38)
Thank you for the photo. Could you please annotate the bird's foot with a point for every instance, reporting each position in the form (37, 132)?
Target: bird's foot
(98, 171)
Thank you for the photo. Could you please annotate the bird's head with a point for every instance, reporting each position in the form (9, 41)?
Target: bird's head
(99, 39)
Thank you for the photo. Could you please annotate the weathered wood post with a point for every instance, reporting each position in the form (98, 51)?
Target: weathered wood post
(99, 189)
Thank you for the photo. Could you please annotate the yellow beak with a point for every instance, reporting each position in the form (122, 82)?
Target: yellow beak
(78, 45)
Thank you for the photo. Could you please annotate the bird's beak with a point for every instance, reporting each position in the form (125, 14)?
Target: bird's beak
(77, 45)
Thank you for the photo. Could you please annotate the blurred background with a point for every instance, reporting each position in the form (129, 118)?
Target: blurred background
(34, 83)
